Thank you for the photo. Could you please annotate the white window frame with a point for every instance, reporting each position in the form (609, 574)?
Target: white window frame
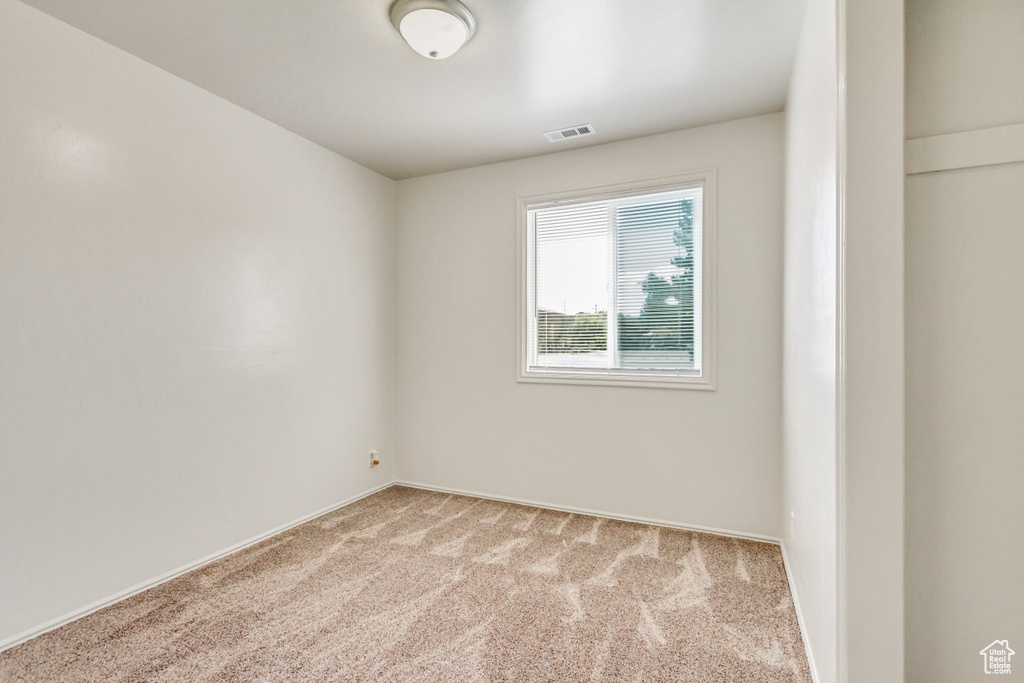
(702, 380)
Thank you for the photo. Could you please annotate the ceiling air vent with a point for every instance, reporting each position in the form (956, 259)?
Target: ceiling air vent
(565, 133)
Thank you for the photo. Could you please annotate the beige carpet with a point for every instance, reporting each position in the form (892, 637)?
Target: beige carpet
(411, 585)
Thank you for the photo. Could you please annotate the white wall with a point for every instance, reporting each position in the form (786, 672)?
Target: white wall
(965, 61)
(809, 335)
(196, 322)
(871, 430)
(965, 326)
(693, 457)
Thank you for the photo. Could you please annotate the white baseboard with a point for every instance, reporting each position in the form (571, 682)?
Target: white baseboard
(595, 513)
(146, 585)
(799, 616)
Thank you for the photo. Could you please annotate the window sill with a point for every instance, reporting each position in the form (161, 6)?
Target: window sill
(617, 379)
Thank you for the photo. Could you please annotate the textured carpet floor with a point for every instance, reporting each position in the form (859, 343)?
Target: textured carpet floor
(411, 585)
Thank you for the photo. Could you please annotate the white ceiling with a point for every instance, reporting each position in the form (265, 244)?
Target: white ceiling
(337, 72)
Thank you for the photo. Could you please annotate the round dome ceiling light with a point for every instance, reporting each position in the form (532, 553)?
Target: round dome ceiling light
(434, 28)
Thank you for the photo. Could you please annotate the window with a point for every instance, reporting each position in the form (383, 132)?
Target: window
(616, 285)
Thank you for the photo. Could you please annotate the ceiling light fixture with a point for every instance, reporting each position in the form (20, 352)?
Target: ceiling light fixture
(434, 28)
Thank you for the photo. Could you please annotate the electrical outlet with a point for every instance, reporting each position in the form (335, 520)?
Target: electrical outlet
(374, 458)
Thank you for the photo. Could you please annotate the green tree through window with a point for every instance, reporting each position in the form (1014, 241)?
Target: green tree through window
(665, 323)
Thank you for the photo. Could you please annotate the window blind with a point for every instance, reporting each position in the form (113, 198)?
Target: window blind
(617, 283)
